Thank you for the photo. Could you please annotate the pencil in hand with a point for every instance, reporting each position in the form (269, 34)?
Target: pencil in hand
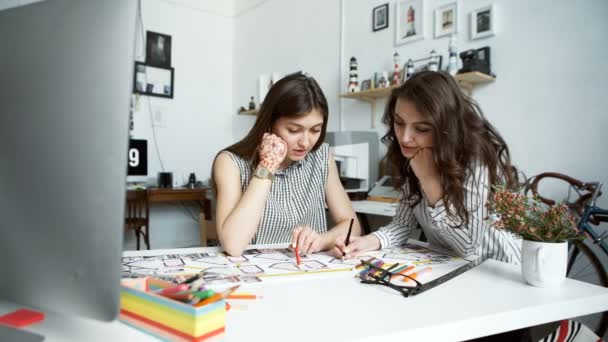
(347, 240)
(297, 253)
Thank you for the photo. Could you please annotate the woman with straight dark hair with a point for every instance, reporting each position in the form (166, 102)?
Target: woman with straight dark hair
(446, 157)
(273, 185)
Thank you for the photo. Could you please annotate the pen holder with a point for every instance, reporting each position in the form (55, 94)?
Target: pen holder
(165, 318)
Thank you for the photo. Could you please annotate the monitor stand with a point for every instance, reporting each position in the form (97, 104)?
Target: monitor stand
(12, 334)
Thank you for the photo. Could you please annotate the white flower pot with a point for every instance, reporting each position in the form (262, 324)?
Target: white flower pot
(543, 264)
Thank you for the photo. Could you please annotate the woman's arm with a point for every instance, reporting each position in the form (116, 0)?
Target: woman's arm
(238, 214)
(464, 238)
(398, 231)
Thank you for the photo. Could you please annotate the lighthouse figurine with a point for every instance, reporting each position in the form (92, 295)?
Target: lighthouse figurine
(397, 71)
(353, 83)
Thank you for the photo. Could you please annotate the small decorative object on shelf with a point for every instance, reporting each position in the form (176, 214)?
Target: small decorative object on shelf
(251, 104)
(453, 60)
(366, 85)
(409, 69)
(476, 60)
(353, 83)
(397, 70)
(383, 82)
(433, 63)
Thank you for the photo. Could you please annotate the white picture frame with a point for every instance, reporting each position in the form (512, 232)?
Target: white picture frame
(409, 21)
(446, 20)
(483, 23)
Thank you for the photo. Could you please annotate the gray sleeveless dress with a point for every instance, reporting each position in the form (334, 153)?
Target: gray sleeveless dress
(297, 196)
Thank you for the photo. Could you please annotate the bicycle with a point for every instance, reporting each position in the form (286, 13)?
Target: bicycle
(583, 263)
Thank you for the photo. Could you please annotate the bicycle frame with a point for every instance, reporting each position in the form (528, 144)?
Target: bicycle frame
(584, 226)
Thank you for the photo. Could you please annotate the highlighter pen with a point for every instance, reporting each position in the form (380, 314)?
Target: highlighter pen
(347, 240)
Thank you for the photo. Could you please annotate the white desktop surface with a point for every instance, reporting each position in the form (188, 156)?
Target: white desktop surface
(488, 299)
(375, 208)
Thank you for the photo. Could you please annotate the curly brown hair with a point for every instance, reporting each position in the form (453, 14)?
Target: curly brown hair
(461, 134)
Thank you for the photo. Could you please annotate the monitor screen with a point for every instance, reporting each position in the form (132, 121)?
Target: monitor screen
(65, 82)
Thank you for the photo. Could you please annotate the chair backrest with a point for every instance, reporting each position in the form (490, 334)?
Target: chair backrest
(208, 230)
(137, 210)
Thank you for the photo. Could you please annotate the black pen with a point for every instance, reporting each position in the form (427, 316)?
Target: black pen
(350, 229)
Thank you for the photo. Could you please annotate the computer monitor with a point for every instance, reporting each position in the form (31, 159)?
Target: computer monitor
(66, 71)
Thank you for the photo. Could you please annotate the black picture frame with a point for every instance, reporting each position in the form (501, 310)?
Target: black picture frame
(153, 81)
(158, 49)
(380, 17)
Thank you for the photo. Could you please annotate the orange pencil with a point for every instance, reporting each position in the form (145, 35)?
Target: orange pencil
(297, 252)
(216, 297)
(209, 300)
(242, 296)
(419, 273)
(407, 269)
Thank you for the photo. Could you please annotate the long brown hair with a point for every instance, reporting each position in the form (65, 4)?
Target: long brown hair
(292, 96)
(461, 134)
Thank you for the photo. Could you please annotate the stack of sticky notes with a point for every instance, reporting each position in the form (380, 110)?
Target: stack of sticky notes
(144, 307)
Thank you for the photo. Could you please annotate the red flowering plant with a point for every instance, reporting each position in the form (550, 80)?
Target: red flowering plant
(530, 218)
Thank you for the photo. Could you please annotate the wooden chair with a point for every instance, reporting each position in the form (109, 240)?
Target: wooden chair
(137, 215)
(208, 230)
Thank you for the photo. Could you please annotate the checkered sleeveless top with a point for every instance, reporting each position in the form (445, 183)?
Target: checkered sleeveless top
(297, 196)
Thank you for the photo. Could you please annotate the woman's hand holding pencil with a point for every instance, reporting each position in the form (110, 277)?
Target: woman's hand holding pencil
(357, 246)
(307, 240)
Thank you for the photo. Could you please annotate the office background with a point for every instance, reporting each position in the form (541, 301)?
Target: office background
(548, 100)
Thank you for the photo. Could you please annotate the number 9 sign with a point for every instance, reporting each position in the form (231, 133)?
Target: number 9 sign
(138, 158)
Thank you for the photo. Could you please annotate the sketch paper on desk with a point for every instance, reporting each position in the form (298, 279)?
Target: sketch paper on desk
(257, 264)
(249, 267)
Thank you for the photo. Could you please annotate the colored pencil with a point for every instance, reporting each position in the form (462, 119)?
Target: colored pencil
(419, 273)
(297, 252)
(242, 296)
(403, 271)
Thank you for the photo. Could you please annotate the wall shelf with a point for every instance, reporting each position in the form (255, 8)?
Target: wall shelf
(253, 112)
(466, 81)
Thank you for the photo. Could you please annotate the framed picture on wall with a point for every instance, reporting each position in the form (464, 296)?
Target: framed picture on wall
(482, 22)
(158, 49)
(409, 21)
(380, 17)
(446, 20)
(153, 81)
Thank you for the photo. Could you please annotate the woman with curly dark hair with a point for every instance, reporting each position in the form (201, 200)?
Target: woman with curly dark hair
(446, 157)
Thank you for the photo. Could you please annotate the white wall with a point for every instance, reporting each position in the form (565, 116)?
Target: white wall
(549, 100)
(197, 121)
(285, 36)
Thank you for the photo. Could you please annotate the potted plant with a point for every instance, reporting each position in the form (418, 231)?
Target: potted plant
(545, 231)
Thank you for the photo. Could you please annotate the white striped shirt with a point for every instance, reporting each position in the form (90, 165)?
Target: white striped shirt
(296, 198)
(477, 237)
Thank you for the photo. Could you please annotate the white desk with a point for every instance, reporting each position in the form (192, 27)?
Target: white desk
(487, 300)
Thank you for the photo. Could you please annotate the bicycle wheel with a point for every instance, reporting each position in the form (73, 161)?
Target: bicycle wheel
(588, 268)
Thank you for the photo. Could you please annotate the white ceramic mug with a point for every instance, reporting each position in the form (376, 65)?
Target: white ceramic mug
(543, 264)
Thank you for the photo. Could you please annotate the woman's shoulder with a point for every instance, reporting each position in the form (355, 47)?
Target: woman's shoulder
(226, 157)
